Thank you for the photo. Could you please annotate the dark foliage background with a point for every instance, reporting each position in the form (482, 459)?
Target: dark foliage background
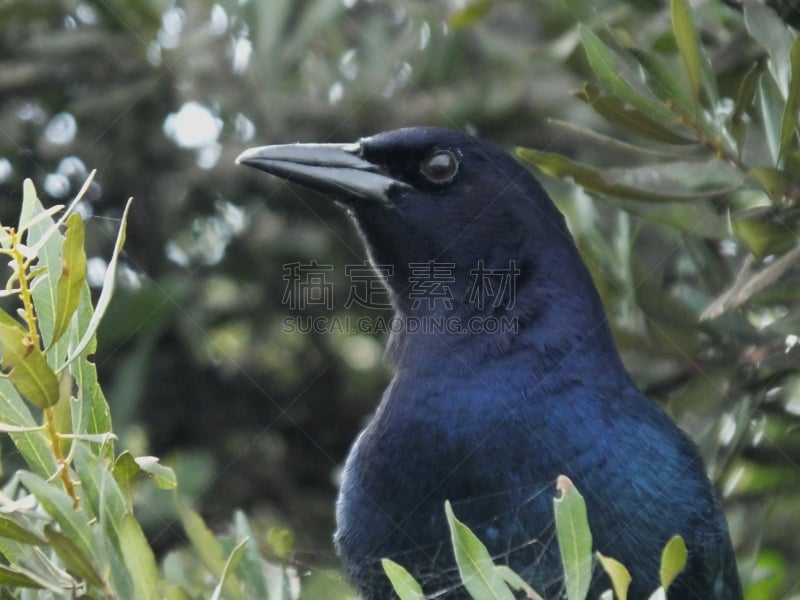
(160, 96)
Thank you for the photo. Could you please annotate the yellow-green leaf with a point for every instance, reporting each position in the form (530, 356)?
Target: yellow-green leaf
(405, 586)
(673, 560)
(470, 14)
(789, 122)
(281, 541)
(619, 575)
(72, 277)
(688, 42)
(762, 232)
(574, 539)
(25, 365)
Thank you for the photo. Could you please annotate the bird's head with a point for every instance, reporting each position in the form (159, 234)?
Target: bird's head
(425, 195)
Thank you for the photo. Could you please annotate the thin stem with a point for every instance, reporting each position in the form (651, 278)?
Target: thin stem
(26, 297)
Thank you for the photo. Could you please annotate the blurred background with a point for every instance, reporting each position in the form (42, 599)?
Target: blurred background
(160, 96)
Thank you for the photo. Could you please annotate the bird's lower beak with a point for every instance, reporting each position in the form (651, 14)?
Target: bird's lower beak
(329, 168)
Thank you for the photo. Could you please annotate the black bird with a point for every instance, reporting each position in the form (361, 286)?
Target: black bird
(508, 378)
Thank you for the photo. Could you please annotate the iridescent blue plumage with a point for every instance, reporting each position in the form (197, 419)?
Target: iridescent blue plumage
(489, 418)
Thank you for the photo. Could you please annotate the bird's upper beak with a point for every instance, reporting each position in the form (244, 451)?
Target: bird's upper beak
(336, 169)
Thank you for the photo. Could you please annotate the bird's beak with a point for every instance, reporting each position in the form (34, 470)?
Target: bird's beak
(336, 169)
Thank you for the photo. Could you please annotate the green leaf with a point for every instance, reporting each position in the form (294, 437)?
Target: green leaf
(25, 365)
(623, 116)
(163, 476)
(41, 235)
(744, 100)
(763, 231)
(90, 411)
(615, 182)
(73, 557)
(772, 109)
(475, 564)
(14, 579)
(207, 547)
(9, 528)
(59, 506)
(608, 66)
(251, 569)
(694, 57)
(404, 585)
(516, 583)
(73, 275)
(139, 559)
(107, 291)
(619, 575)
(106, 502)
(227, 572)
(789, 121)
(574, 539)
(34, 446)
(673, 560)
(766, 28)
(663, 80)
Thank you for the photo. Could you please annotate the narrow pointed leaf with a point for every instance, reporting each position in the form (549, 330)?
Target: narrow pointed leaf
(9, 577)
(73, 275)
(789, 122)
(25, 365)
(139, 559)
(673, 560)
(622, 115)
(772, 109)
(612, 183)
(698, 69)
(766, 28)
(59, 506)
(475, 565)
(744, 100)
(404, 585)
(208, 548)
(251, 569)
(611, 69)
(106, 293)
(663, 80)
(73, 557)
(574, 539)
(230, 566)
(9, 528)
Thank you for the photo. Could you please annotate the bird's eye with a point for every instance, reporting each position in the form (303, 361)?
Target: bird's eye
(440, 167)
